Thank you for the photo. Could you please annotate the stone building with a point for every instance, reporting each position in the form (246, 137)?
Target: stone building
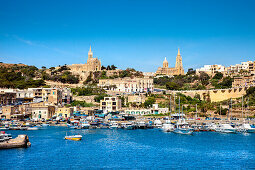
(93, 64)
(242, 81)
(127, 84)
(65, 112)
(110, 104)
(211, 69)
(42, 112)
(7, 98)
(177, 70)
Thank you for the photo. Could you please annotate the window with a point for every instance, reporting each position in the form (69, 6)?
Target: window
(114, 103)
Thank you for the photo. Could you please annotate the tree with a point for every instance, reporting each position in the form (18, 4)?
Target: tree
(113, 67)
(218, 76)
(149, 102)
(204, 78)
(103, 68)
(172, 86)
(191, 71)
(108, 68)
(52, 68)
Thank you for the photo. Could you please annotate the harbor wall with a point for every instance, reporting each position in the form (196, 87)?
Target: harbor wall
(215, 95)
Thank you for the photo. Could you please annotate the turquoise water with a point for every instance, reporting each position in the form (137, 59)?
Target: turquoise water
(125, 149)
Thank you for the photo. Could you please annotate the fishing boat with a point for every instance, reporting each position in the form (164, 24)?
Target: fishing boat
(74, 137)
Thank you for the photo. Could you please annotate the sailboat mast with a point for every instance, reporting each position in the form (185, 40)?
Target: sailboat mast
(242, 108)
(196, 114)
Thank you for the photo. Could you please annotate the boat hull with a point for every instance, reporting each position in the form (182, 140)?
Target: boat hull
(183, 131)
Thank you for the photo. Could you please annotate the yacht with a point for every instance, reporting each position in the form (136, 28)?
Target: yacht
(183, 128)
(157, 124)
(85, 125)
(168, 127)
(246, 128)
(225, 128)
(128, 126)
(114, 125)
(212, 127)
(141, 125)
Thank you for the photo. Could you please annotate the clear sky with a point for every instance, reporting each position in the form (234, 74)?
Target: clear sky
(127, 33)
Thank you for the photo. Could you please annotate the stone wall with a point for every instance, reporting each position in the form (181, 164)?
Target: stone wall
(214, 95)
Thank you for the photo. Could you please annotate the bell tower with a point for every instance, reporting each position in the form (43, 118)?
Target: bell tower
(178, 65)
(90, 54)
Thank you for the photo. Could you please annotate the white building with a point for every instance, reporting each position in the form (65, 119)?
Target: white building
(110, 104)
(127, 84)
(211, 69)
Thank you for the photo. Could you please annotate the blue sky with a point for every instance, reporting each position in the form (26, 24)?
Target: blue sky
(127, 33)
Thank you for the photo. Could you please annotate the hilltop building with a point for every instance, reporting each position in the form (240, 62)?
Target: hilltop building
(93, 64)
(177, 70)
(127, 84)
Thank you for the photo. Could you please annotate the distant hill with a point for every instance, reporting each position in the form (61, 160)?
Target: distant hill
(9, 65)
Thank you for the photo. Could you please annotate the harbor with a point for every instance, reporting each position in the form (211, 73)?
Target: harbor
(124, 149)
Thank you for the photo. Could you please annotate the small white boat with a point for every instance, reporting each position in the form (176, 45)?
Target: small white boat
(183, 131)
(33, 128)
(157, 124)
(4, 136)
(85, 125)
(168, 127)
(114, 125)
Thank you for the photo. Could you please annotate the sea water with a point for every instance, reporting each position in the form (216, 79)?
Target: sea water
(130, 149)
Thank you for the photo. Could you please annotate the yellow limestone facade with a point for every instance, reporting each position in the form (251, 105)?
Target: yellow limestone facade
(177, 70)
(215, 95)
(93, 64)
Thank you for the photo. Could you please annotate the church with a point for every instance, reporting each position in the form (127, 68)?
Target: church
(177, 70)
(93, 64)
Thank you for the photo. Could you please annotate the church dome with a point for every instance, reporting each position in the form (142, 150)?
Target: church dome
(165, 63)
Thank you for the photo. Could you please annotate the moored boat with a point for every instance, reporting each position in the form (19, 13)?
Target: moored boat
(74, 137)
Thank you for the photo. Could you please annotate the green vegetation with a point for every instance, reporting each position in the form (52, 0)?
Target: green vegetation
(112, 67)
(19, 77)
(100, 97)
(60, 75)
(149, 102)
(80, 103)
(87, 91)
(191, 81)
